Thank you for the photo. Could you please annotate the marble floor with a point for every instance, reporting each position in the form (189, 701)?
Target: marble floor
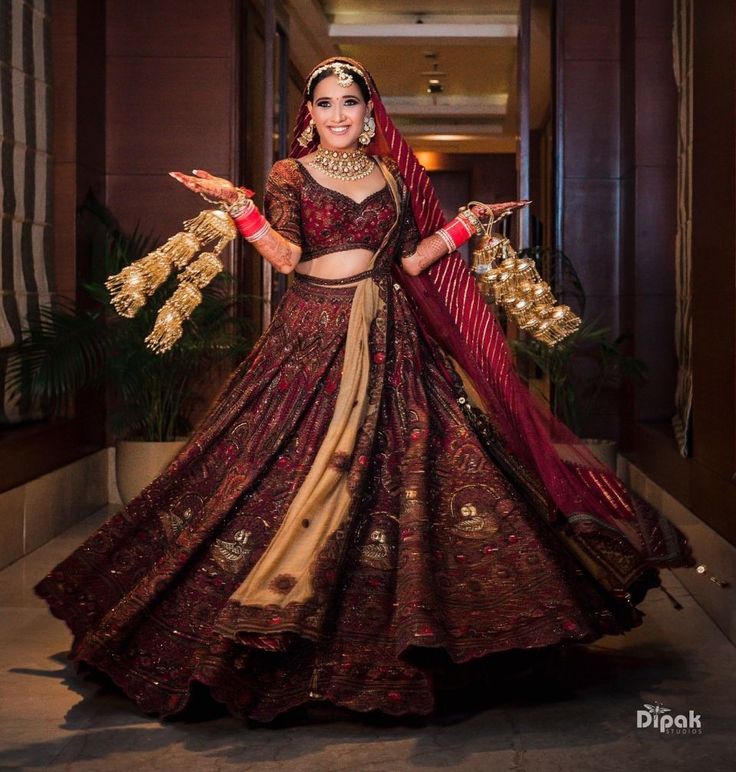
(50, 719)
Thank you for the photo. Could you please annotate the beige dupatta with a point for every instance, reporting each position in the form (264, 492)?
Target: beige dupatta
(323, 499)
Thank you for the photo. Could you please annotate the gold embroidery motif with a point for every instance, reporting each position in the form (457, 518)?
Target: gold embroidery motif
(227, 554)
(173, 524)
(473, 520)
(376, 552)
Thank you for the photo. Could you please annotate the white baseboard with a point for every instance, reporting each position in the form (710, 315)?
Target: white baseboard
(38, 510)
(709, 548)
(113, 496)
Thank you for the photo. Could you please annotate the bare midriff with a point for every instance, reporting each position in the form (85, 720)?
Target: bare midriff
(337, 265)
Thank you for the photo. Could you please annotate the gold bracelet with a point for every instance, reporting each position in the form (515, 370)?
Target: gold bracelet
(236, 211)
(238, 206)
(473, 218)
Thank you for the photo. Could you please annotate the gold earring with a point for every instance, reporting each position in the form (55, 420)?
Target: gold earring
(307, 135)
(369, 130)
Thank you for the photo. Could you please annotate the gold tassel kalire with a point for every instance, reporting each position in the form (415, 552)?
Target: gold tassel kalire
(201, 272)
(179, 307)
(515, 284)
(127, 293)
(174, 312)
(130, 288)
(181, 248)
(211, 224)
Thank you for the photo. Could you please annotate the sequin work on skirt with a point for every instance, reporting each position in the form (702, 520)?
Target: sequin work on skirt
(446, 546)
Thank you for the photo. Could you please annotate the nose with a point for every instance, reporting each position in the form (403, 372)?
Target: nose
(338, 112)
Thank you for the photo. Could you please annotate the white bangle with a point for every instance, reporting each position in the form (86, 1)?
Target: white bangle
(449, 243)
(260, 233)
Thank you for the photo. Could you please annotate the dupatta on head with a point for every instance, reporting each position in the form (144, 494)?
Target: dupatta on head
(449, 307)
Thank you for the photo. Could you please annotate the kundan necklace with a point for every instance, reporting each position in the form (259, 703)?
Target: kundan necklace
(343, 164)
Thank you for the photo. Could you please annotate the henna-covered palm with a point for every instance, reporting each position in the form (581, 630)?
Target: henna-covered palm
(209, 186)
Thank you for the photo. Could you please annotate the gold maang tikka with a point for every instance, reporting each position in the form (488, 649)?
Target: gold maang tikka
(515, 284)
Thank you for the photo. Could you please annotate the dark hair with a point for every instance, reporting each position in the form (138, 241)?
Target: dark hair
(362, 85)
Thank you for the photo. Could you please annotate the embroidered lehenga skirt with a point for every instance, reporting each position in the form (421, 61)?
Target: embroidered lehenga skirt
(444, 547)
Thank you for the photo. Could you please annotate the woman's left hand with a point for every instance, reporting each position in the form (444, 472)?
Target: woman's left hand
(497, 210)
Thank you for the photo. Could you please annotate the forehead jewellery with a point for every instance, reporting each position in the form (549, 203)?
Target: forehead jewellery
(340, 69)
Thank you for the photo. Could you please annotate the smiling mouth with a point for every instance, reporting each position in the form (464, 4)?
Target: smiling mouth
(338, 129)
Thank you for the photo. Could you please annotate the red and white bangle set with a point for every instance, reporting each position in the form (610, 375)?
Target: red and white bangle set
(458, 230)
(251, 224)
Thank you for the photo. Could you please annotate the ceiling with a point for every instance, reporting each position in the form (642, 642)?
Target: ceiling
(470, 7)
(473, 50)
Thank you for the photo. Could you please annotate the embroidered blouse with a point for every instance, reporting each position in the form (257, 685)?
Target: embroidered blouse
(322, 220)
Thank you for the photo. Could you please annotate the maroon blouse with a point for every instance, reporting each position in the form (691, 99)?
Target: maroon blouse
(322, 220)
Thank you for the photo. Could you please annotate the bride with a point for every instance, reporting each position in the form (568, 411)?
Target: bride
(374, 499)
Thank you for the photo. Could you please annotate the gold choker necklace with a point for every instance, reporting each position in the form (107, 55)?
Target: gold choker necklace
(343, 164)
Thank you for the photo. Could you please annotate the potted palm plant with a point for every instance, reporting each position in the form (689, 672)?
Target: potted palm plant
(584, 366)
(69, 347)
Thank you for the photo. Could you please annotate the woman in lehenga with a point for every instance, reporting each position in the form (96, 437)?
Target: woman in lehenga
(374, 500)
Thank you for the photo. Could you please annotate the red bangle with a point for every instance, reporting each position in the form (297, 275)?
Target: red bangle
(459, 230)
(251, 223)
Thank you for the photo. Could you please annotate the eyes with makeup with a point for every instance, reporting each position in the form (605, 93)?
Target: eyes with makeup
(347, 102)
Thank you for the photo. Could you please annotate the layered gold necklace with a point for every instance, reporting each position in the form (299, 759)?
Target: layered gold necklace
(343, 164)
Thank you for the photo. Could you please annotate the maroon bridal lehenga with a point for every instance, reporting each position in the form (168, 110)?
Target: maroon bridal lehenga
(446, 547)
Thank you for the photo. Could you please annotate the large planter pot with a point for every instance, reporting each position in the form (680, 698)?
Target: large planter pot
(139, 463)
(603, 450)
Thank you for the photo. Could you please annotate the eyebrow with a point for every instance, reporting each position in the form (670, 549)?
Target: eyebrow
(347, 96)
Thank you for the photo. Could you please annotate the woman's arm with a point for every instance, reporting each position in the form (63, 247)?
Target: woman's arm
(282, 253)
(447, 239)
(428, 251)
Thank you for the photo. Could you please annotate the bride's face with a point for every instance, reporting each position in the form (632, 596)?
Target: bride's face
(338, 114)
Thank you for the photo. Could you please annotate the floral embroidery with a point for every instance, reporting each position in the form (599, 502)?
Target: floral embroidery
(283, 583)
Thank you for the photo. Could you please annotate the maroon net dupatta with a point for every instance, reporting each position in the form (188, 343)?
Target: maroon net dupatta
(450, 308)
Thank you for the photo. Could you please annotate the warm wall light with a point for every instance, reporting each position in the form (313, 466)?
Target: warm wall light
(429, 159)
(446, 137)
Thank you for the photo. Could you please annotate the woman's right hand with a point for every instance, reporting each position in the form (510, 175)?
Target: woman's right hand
(498, 210)
(209, 186)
